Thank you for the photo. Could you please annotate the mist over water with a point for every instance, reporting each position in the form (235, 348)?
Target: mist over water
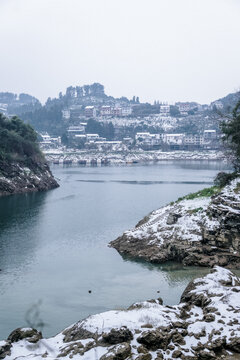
(53, 245)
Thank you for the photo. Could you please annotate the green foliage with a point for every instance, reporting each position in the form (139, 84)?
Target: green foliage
(207, 192)
(47, 118)
(174, 111)
(195, 211)
(231, 131)
(103, 130)
(222, 179)
(237, 188)
(18, 141)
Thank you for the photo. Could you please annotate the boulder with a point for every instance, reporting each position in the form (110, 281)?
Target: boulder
(117, 352)
(154, 340)
(5, 349)
(31, 335)
(116, 336)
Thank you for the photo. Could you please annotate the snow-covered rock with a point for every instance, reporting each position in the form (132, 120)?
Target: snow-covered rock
(205, 325)
(16, 177)
(195, 230)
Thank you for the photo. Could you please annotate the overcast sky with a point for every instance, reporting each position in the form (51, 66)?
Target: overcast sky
(168, 50)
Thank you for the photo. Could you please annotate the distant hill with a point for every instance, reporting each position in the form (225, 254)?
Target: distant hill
(49, 117)
(230, 101)
(14, 104)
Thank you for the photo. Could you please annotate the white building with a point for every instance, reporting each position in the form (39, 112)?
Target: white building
(90, 111)
(92, 137)
(145, 138)
(126, 111)
(66, 114)
(49, 141)
(106, 110)
(173, 139)
(75, 130)
(193, 139)
(164, 109)
(209, 135)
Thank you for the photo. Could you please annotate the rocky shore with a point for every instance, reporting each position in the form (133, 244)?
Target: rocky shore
(205, 325)
(17, 177)
(195, 230)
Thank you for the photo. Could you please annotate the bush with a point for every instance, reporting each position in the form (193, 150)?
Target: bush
(18, 141)
(222, 179)
(207, 192)
(231, 138)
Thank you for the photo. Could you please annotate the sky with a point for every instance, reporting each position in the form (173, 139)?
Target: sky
(166, 50)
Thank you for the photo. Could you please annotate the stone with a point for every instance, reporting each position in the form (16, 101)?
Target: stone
(178, 339)
(118, 352)
(209, 317)
(31, 335)
(116, 336)
(207, 355)
(142, 349)
(72, 349)
(176, 354)
(5, 350)
(154, 340)
(77, 332)
(234, 344)
(172, 218)
(144, 357)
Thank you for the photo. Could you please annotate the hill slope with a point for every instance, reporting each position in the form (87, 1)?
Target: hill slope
(23, 167)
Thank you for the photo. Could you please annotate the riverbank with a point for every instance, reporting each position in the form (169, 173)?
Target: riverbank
(205, 325)
(17, 177)
(199, 229)
(83, 157)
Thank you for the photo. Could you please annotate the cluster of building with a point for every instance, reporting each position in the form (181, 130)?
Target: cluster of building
(207, 139)
(94, 111)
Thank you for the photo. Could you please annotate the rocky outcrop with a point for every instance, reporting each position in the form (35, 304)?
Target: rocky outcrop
(205, 325)
(17, 178)
(201, 231)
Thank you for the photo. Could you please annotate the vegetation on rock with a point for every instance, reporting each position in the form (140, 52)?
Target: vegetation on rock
(207, 192)
(18, 141)
(231, 131)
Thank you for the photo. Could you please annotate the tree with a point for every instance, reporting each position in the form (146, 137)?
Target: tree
(174, 111)
(231, 131)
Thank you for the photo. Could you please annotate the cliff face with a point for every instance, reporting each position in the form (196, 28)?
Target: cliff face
(202, 231)
(205, 325)
(16, 177)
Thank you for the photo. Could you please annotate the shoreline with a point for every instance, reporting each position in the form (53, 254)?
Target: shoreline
(95, 158)
(200, 229)
(204, 325)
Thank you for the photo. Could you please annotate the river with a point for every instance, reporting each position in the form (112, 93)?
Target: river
(56, 267)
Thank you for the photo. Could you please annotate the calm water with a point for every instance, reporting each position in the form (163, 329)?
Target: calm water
(53, 245)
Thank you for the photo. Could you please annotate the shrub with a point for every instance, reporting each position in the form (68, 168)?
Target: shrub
(222, 179)
(207, 192)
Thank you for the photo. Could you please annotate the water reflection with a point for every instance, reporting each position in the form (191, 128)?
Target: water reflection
(173, 272)
(17, 213)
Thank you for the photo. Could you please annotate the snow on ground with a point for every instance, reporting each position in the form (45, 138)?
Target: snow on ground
(216, 321)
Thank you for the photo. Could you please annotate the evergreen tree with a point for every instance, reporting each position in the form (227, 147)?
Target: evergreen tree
(231, 131)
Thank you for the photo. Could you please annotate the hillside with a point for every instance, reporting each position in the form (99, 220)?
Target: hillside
(17, 104)
(23, 167)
